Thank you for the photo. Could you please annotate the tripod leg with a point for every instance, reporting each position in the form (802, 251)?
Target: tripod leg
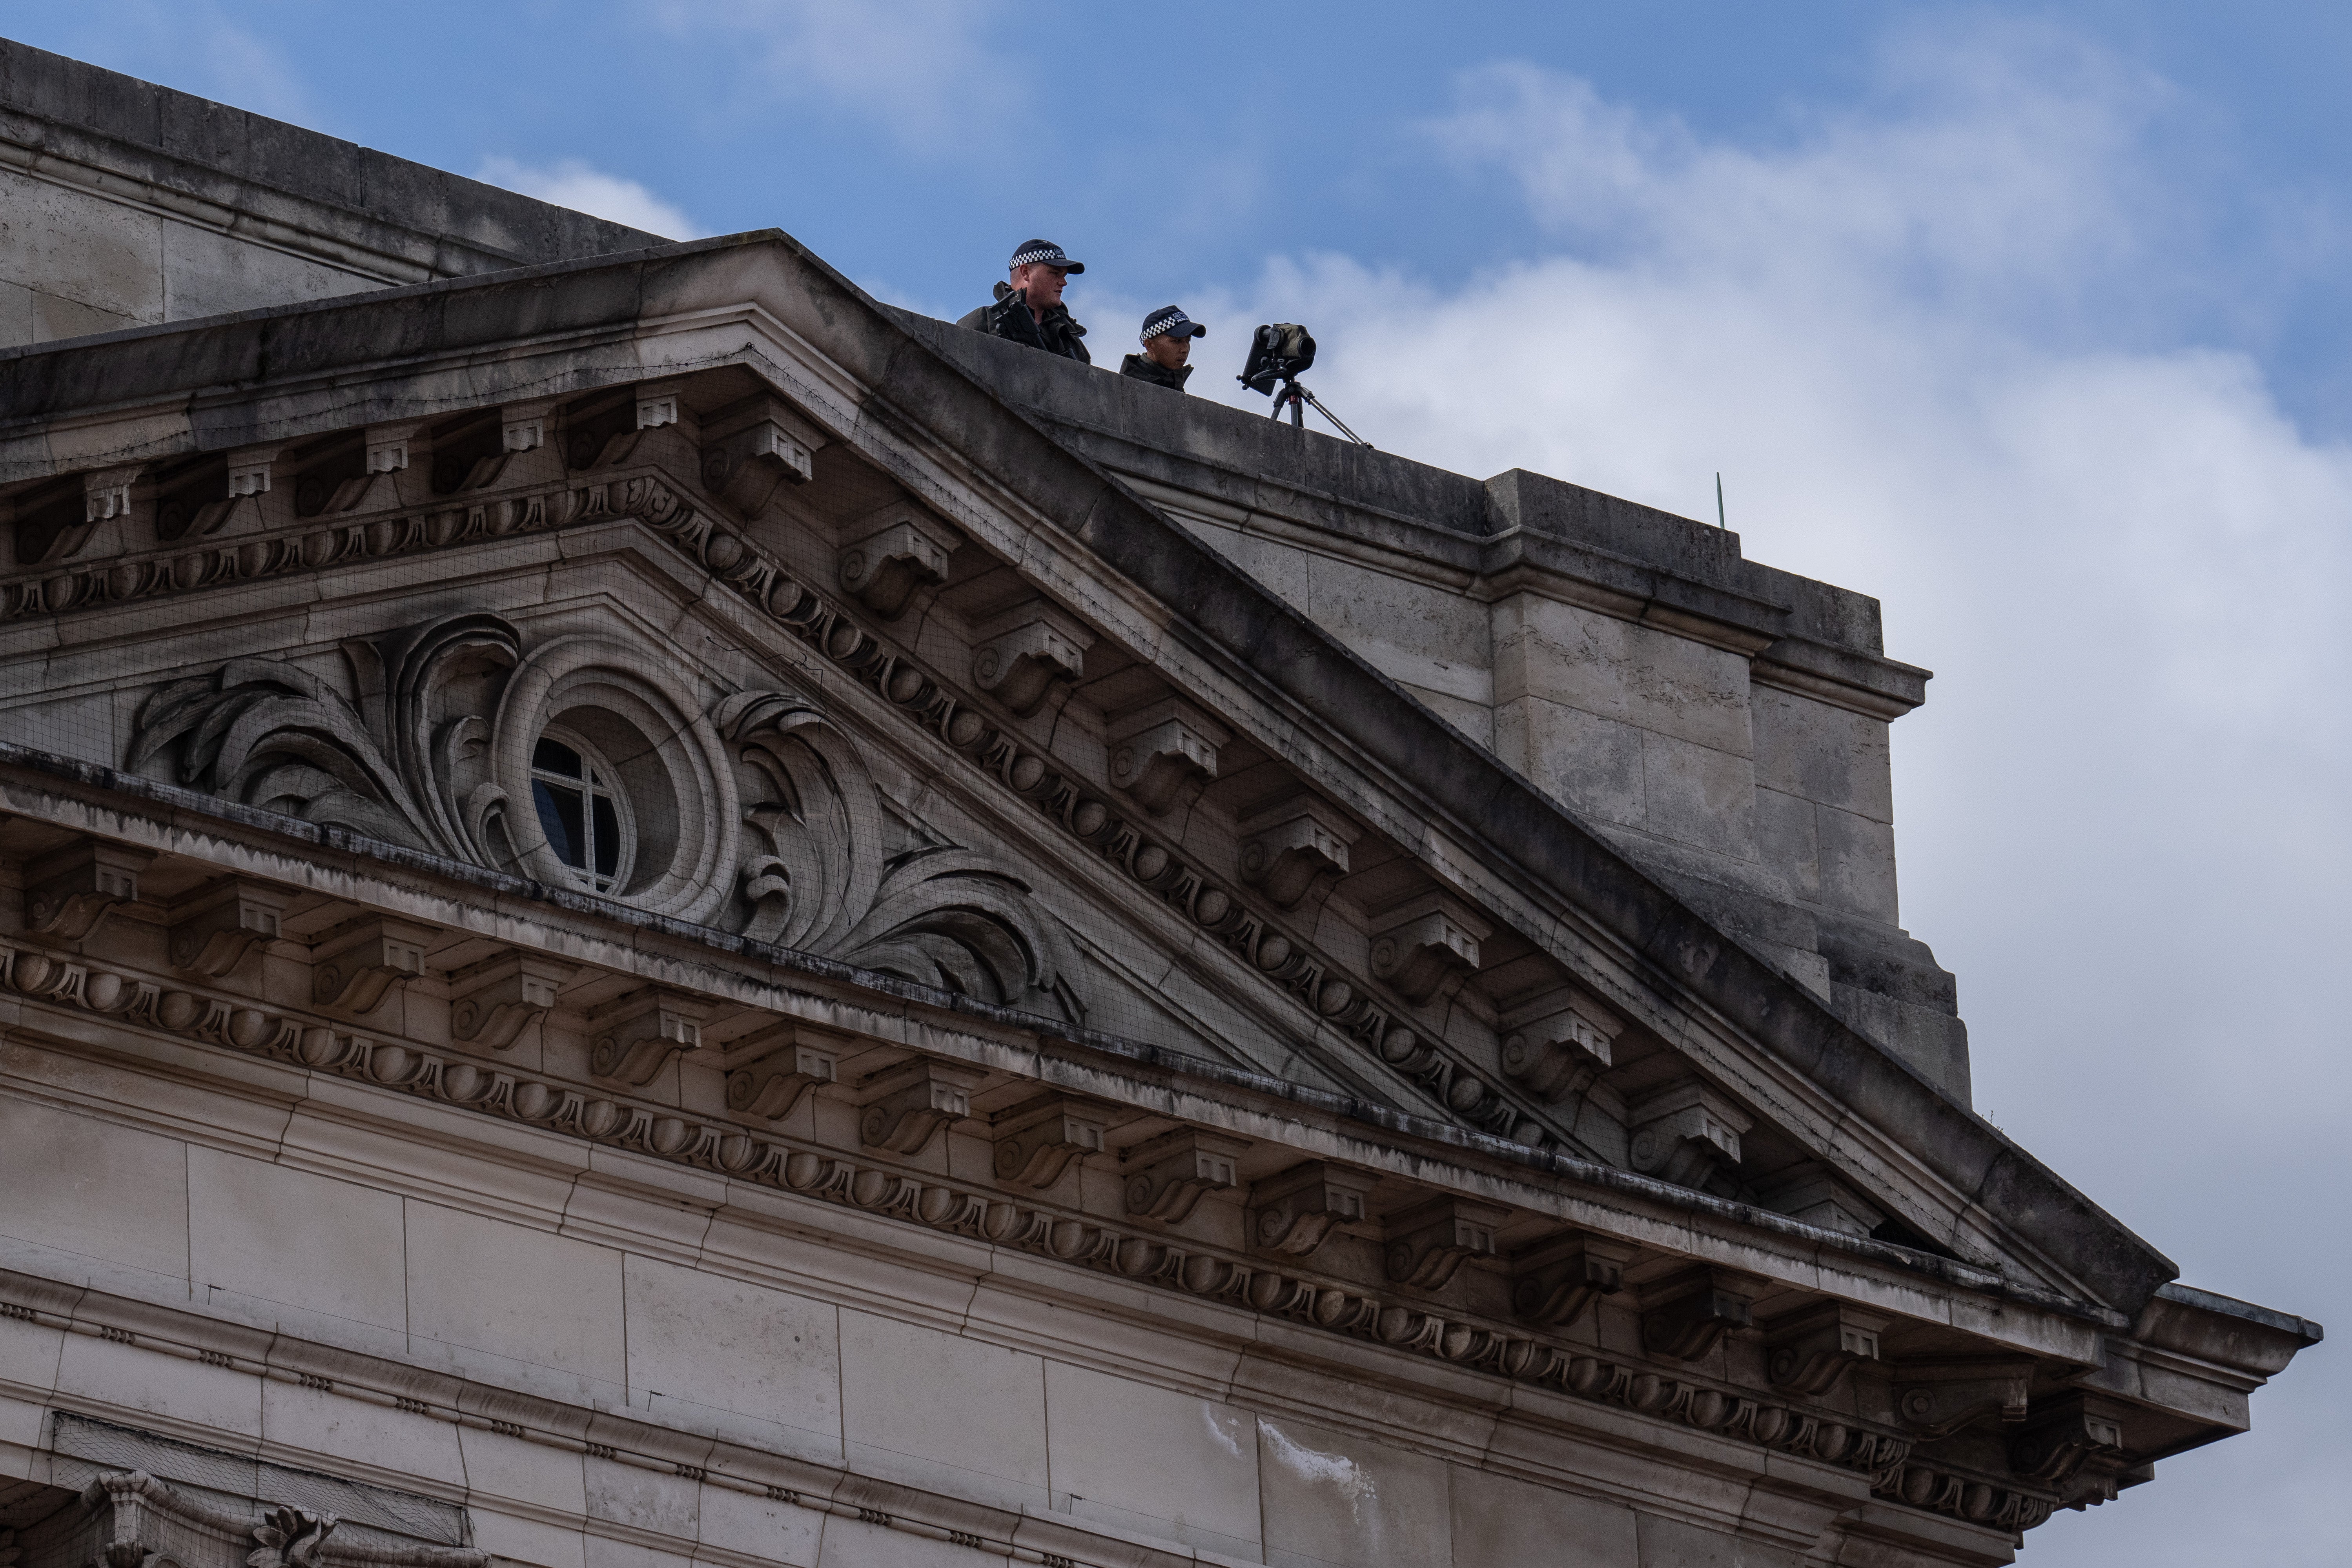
(1298, 410)
(1334, 419)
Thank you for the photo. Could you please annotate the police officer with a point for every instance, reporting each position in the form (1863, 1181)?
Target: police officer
(1029, 308)
(1167, 336)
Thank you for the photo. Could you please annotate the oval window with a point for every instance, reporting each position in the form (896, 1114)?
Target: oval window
(583, 812)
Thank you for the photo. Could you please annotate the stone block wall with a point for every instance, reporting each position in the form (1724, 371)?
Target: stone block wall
(123, 204)
(567, 1281)
(1825, 802)
(76, 260)
(1635, 726)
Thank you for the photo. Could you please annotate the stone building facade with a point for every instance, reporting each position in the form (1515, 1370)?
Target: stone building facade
(654, 913)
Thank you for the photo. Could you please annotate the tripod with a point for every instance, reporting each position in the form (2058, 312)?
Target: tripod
(1296, 397)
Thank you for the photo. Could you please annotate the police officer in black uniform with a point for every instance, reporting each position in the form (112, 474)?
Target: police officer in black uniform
(1167, 336)
(1029, 308)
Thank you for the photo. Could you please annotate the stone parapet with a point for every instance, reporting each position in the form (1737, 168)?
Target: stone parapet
(133, 204)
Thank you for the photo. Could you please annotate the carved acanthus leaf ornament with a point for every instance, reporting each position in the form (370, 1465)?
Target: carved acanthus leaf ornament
(317, 757)
(269, 733)
(827, 881)
(289, 1537)
(769, 815)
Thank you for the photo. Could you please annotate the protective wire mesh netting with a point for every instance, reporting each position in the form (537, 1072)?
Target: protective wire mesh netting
(240, 1484)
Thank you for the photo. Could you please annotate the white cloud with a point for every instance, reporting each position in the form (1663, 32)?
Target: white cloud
(569, 182)
(922, 72)
(1918, 338)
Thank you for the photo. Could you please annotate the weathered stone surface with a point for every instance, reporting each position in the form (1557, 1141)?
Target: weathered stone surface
(130, 204)
(1078, 1047)
(1629, 662)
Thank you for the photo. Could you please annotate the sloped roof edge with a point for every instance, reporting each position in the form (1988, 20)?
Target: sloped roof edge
(1228, 616)
(178, 806)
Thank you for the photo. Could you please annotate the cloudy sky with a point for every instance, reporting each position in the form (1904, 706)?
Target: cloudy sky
(2030, 319)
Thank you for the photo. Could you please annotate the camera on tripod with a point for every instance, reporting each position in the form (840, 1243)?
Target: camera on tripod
(1277, 355)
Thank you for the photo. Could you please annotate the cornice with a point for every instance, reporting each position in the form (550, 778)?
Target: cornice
(1250, 1285)
(1525, 846)
(705, 1459)
(1873, 686)
(1121, 563)
(120, 1006)
(1875, 689)
(1312, 998)
(797, 984)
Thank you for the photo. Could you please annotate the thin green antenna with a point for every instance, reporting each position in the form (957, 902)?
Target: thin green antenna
(1718, 500)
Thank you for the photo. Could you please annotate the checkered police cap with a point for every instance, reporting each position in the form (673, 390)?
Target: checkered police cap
(1171, 319)
(1046, 251)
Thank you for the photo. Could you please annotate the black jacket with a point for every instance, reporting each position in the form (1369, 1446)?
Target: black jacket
(1144, 368)
(1059, 334)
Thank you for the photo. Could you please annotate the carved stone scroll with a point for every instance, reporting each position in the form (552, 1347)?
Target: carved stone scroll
(906, 1106)
(216, 929)
(1295, 1212)
(1686, 1134)
(633, 1038)
(1038, 1139)
(1020, 654)
(749, 449)
(1815, 1193)
(250, 469)
(523, 427)
(826, 879)
(69, 890)
(1417, 944)
(388, 446)
(354, 967)
(491, 1003)
(272, 735)
(1686, 1316)
(1810, 1351)
(897, 550)
(771, 1085)
(1557, 1282)
(1156, 748)
(1168, 1176)
(1940, 1396)
(1557, 1043)
(658, 403)
(1291, 845)
(2075, 1445)
(106, 493)
(1427, 1243)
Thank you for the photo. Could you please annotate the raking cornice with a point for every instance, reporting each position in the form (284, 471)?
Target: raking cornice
(412, 352)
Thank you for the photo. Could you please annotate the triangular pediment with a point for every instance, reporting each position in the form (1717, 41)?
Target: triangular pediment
(847, 656)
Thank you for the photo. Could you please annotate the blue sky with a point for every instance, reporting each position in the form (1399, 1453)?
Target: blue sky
(2030, 319)
(901, 139)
